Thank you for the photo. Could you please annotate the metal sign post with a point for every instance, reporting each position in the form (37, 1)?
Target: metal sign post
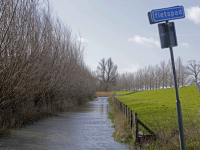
(168, 40)
(178, 103)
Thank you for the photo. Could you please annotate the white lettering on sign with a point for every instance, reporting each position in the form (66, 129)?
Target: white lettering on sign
(168, 14)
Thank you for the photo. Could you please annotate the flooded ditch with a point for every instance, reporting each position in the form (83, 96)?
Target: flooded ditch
(83, 127)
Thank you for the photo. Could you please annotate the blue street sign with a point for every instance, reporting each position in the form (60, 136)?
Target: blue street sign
(168, 39)
(164, 14)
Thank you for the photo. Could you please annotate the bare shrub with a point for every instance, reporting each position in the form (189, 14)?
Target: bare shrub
(41, 64)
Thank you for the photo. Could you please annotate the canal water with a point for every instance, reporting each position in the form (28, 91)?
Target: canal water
(83, 127)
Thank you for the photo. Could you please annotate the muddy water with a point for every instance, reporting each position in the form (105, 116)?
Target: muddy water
(83, 127)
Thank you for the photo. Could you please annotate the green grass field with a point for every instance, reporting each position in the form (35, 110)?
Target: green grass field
(157, 108)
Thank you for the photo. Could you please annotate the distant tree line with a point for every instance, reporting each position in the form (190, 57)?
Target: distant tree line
(41, 64)
(159, 76)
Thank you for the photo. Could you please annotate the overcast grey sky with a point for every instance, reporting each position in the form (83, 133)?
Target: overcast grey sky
(120, 29)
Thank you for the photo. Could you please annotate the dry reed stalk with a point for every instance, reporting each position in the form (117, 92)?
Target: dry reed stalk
(103, 94)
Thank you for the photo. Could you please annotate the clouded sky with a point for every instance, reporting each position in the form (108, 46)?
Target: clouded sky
(120, 29)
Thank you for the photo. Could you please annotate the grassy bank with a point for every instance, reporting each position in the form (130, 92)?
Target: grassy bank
(122, 129)
(157, 109)
(159, 106)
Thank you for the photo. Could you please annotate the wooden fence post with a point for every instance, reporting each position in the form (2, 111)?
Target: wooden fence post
(122, 108)
(131, 121)
(126, 111)
(136, 128)
(128, 115)
(118, 104)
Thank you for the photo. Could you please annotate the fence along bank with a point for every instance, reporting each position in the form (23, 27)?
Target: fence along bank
(133, 121)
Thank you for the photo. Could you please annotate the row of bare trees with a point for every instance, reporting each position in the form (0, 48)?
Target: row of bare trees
(159, 76)
(148, 78)
(41, 64)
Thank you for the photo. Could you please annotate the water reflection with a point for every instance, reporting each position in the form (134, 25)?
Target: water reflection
(83, 127)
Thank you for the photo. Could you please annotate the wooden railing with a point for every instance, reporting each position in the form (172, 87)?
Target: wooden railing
(132, 119)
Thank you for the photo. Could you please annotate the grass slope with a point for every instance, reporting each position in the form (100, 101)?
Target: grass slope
(157, 108)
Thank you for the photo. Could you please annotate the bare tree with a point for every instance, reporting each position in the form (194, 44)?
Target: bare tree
(106, 74)
(158, 77)
(164, 71)
(152, 77)
(41, 64)
(181, 72)
(146, 76)
(194, 69)
(171, 77)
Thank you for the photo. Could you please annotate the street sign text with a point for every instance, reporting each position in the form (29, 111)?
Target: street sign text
(164, 14)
